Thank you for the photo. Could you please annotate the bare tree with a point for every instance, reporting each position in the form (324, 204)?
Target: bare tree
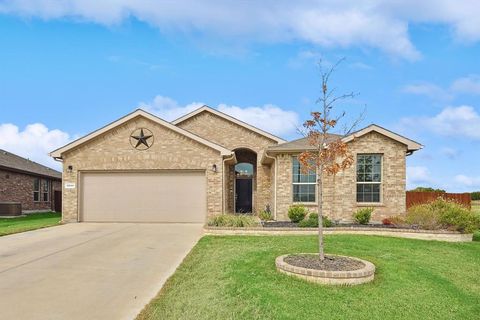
(330, 155)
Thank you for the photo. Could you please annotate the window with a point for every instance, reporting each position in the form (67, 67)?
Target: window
(304, 184)
(45, 189)
(36, 189)
(369, 177)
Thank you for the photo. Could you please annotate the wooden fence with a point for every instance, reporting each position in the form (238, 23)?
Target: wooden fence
(414, 197)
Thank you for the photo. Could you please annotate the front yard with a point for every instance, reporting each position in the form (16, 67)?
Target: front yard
(30, 222)
(234, 277)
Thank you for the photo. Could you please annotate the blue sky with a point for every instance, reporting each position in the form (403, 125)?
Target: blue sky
(67, 69)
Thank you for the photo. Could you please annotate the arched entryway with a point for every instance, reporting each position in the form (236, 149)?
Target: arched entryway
(244, 180)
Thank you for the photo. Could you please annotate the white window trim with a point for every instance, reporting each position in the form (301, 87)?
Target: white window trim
(370, 204)
(304, 183)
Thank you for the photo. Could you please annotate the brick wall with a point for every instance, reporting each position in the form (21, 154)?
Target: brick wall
(339, 198)
(233, 136)
(112, 151)
(18, 187)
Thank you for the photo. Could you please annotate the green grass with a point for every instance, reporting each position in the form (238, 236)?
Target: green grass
(30, 222)
(476, 209)
(234, 277)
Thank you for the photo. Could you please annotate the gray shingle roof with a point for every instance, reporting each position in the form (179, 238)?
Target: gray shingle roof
(16, 163)
(300, 144)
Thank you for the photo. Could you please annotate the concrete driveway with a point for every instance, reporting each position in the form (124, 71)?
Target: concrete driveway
(89, 270)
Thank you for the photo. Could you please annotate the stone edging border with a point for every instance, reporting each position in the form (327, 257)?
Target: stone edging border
(438, 235)
(353, 277)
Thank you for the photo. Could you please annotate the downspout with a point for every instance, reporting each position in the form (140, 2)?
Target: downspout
(232, 156)
(274, 185)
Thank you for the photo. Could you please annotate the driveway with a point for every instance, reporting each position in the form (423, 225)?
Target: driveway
(89, 270)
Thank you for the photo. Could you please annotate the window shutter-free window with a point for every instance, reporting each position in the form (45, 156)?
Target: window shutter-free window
(369, 177)
(304, 184)
(36, 189)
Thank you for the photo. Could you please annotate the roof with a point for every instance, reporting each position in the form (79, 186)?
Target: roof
(302, 144)
(138, 113)
(229, 118)
(10, 161)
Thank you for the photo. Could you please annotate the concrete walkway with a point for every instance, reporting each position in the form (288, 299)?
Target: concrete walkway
(89, 270)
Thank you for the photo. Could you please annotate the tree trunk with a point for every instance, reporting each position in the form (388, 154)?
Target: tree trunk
(320, 213)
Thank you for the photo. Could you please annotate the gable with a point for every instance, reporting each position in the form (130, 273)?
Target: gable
(131, 118)
(225, 117)
(225, 133)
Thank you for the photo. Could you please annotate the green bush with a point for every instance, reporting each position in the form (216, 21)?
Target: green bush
(443, 214)
(362, 216)
(312, 221)
(475, 195)
(265, 215)
(232, 220)
(297, 213)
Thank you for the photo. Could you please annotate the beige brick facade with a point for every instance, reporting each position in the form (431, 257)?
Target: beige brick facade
(233, 136)
(207, 138)
(113, 151)
(339, 198)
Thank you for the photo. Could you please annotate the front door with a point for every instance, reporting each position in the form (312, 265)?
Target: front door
(243, 197)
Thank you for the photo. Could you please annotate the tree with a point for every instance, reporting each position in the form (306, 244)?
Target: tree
(427, 189)
(330, 155)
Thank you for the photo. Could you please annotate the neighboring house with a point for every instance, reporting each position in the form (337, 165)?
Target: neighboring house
(142, 168)
(29, 183)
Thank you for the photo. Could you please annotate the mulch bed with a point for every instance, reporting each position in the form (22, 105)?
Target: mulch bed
(288, 224)
(331, 263)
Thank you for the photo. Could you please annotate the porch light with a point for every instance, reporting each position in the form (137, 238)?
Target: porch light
(70, 169)
(214, 168)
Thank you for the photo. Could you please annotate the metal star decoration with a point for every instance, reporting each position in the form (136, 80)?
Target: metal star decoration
(140, 139)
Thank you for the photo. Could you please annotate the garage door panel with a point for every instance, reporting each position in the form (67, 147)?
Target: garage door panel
(177, 196)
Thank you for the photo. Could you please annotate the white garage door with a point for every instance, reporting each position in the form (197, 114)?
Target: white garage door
(167, 196)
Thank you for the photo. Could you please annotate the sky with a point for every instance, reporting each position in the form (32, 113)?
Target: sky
(69, 67)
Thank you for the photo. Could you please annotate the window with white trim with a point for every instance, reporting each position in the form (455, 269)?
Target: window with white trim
(369, 177)
(45, 190)
(304, 184)
(36, 189)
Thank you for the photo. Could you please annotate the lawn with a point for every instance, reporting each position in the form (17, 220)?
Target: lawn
(234, 277)
(30, 222)
(476, 209)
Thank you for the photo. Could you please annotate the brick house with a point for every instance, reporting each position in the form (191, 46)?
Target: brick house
(29, 183)
(143, 168)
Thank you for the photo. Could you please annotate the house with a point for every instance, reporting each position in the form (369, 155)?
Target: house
(34, 186)
(141, 168)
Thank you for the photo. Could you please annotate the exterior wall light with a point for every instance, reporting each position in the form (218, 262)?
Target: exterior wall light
(70, 169)
(214, 168)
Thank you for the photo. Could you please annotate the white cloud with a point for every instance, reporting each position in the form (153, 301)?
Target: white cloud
(467, 181)
(268, 117)
(462, 121)
(469, 84)
(429, 90)
(329, 23)
(34, 142)
(417, 175)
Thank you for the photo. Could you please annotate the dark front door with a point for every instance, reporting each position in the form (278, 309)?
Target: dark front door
(243, 197)
(57, 201)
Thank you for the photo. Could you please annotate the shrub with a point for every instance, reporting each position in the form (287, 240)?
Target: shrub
(397, 221)
(265, 215)
(297, 213)
(387, 222)
(443, 214)
(312, 221)
(232, 220)
(362, 216)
